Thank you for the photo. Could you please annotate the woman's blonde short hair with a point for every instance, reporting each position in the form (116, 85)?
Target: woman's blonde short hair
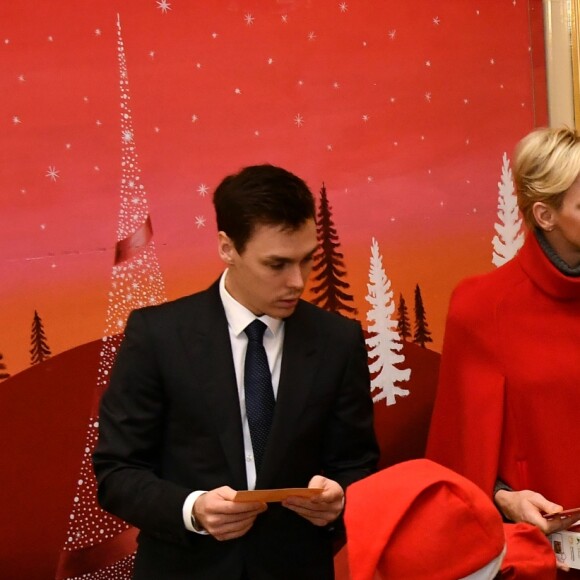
(546, 164)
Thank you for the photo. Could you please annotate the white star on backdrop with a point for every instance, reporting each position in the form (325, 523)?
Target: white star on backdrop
(298, 120)
(164, 6)
(202, 189)
(52, 173)
(249, 19)
(199, 221)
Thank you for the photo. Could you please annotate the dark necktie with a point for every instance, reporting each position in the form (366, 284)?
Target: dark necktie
(258, 389)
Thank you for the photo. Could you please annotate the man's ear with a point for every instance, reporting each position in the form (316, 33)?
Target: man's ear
(544, 215)
(226, 248)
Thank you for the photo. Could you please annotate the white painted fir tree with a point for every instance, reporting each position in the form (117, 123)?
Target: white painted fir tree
(384, 341)
(510, 236)
(99, 546)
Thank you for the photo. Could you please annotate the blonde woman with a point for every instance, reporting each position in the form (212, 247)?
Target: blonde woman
(507, 412)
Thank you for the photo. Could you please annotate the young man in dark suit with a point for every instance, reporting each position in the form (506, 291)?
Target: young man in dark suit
(183, 424)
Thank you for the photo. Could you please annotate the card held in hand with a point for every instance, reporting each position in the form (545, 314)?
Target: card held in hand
(274, 495)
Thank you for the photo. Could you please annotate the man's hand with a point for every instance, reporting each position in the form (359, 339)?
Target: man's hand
(321, 509)
(528, 506)
(223, 518)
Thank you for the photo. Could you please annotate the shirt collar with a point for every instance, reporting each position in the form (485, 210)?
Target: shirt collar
(239, 316)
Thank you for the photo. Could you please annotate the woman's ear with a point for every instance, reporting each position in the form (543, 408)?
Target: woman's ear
(544, 215)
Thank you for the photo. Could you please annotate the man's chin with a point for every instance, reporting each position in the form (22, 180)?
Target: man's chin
(283, 308)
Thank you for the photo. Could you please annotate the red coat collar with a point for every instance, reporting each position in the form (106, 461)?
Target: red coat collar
(544, 274)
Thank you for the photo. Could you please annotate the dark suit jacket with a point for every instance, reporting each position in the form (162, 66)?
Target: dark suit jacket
(170, 424)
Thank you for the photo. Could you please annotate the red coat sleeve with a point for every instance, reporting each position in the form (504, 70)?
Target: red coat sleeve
(466, 426)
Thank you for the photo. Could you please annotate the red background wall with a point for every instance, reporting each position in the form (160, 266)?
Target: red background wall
(402, 109)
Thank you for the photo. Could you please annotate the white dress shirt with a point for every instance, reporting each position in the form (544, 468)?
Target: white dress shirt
(238, 318)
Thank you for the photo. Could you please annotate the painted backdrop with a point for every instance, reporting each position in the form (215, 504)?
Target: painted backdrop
(118, 119)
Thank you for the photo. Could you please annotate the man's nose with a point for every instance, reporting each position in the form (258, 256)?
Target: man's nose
(295, 278)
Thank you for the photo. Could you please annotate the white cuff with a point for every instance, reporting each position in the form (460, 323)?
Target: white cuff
(187, 512)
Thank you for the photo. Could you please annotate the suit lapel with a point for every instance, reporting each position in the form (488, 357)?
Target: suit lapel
(207, 340)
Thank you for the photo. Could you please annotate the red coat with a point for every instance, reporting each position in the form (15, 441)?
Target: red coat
(508, 402)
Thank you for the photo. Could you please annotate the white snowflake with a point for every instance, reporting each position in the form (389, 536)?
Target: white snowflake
(127, 136)
(428, 97)
(392, 34)
(285, 18)
(466, 101)
(194, 118)
(300, 83)
(257, 133)
(365, 118)
(336, 85)
(492, 61)
(198, 65)
(427, 63)
(199, 221)
(270, 61)
(202, 189)
(343, 6)
(298, 120)
(21, 78)
(98, 123)
(249, 19)
(329, 147)
(238, 91)
(164, 6)
(370, 178)
(436, 21)
(16, 120)
(50, 38)
(52, 173)
(98, 32)
(311, 35)
(152, 53)
(214, 35)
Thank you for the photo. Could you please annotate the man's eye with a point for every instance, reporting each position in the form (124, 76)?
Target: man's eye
(277, 265)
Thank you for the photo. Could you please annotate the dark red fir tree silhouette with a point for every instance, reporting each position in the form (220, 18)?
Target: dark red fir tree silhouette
(403, 323)
(40, 350)
(329, 288)
(422, 333)
(4, 374)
